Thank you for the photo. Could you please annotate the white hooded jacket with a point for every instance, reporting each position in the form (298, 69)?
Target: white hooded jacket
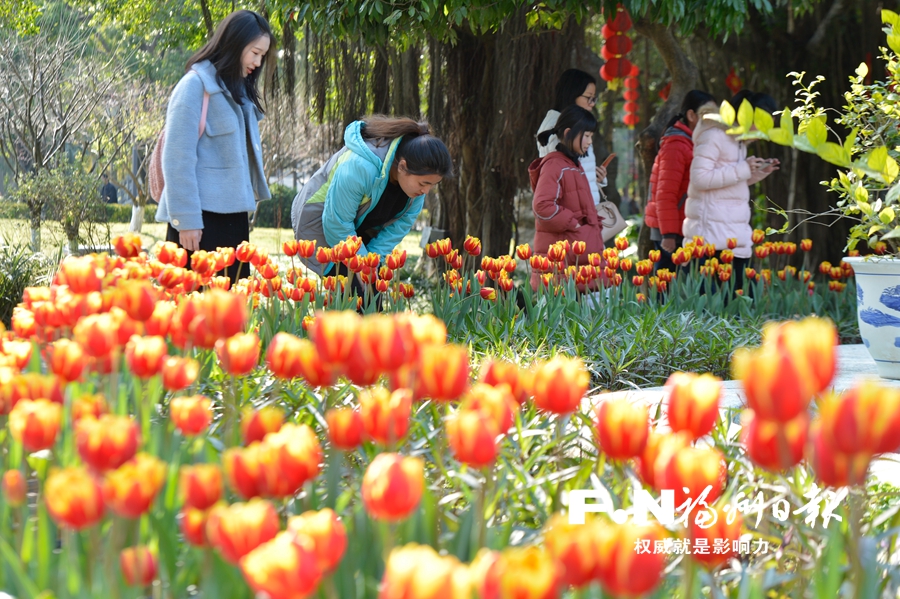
(718, 197)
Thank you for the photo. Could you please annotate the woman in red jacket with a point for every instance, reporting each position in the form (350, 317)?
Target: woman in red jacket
(670, 177)
(563, 204)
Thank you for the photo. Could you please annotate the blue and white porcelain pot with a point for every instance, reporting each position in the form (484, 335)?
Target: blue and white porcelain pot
(878, 309)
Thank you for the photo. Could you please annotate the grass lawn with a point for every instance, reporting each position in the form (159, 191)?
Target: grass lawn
(17, 232)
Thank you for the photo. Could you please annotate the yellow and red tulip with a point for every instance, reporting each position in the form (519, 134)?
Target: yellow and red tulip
(127, 245)
(282, 568)
(106, 442)
(722, 531)
(693, 404)
(622, 428)
(35, 423)
(138, 565)
(864, 419)
(238, 354)
(385, 414)
(345, 428)
(472, 435)
(256, 424)
(622, 570)
(774, 445)
(444, 371)
(179, 373)
(832, 467)
(73, 498)
(690, 471)
(574, 546)
(392, 486)
(145, 356)
(419, 571)
(327, 533)
(200, 485)
(559, 385)
(244, 471)
(191, 415)
(657, 452)
(130, 489)
(237, 529)
(288, 458)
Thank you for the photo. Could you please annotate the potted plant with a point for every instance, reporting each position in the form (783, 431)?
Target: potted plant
(867, 184)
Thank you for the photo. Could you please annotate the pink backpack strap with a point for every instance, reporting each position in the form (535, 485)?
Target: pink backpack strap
(203, 113)
(205, 108)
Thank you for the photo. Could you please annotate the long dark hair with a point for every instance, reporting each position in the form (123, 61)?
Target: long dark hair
(577, 120)
(425, 154)
(237, 31)
(693, 100)
(571, 84)
(756, 99)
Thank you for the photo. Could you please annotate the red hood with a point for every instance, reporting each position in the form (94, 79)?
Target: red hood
(538, 164)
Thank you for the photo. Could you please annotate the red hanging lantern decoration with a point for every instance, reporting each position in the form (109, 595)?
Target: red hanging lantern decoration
(615, 47)
(663, 93)
(734, 83)
(631, 96)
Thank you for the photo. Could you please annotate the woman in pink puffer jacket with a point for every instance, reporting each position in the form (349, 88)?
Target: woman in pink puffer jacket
(718, 202)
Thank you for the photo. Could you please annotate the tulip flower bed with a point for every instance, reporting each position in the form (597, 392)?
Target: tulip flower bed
(244, 442)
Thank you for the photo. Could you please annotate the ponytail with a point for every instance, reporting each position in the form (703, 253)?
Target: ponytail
(379, 126)
(544, 136)
(424, 153)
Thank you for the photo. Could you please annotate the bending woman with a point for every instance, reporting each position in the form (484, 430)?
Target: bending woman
(214, 178)
(374, 187)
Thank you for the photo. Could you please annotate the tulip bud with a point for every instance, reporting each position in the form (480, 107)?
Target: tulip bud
(73, 498)
(832, 467)
(256, 424)
(392, 486)
(96, 333)
(385, 415)
(226, 313)
(334, 334)
(288, 459)
(560, 384)
(244, 471)
(444, 371)
(472, 435)
(690, 471)
(622, 569)
(130, 489)
(14, 488)
(528, 572)
(622, 428)
(574, 547)
(284, 567)
(237, 529)
(107, 442)
(717, 529)
(145, 356)
(658, 451)
(774, 445)
(693, 404)
(345, 428)
(179, 373)
(865, 419)
(138, 566)
(67, 360)
(127, 245)
(35, 423)
(496, 373)
(191, 415)
(201, 485)
(418, 571)
(327, 533)
(192, 523)
(239, 354)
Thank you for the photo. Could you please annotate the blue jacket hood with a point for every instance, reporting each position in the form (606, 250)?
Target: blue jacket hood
(354, 141)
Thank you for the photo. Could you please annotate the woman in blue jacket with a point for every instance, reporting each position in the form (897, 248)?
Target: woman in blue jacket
(374, 187)
(213, 168)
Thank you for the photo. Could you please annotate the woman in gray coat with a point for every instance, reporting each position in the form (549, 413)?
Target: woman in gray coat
(212, 157)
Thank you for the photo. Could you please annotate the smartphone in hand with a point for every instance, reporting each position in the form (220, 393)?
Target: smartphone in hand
(608, 160)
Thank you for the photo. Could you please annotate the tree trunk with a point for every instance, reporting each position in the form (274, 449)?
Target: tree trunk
(405, 83)
(498, 88)
(381, 82)
(685, 76)
(35, 227)
(137, 219)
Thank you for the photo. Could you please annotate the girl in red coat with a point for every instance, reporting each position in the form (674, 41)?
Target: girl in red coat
(670, 177)
(563, 204)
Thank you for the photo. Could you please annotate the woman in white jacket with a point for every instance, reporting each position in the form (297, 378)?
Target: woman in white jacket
(579, 88)
(718, 197)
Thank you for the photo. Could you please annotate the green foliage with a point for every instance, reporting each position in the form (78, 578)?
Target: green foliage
(19, 15)
(276, 213)
(867, 185)
(20, 268)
